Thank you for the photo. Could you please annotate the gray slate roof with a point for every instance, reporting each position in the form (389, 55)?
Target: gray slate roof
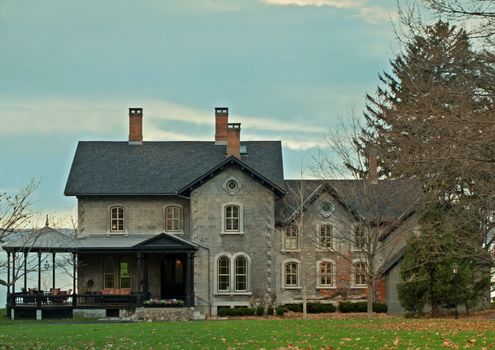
(45, 239)
(159, 168)
(386, 200)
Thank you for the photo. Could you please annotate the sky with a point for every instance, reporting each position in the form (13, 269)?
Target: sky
(288, 70)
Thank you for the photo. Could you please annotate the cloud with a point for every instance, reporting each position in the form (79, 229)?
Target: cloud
(371, 14)
(103, 118)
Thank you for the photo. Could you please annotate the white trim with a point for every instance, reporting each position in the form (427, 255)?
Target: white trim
(284, 239)
(318, 232)
(229, 191)
(241, 219)
(232, 258)
(353, 271)
(125, 218)
(181, 220)
(318, 277)
(298, 274)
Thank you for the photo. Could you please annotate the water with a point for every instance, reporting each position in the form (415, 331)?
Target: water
(63, 280)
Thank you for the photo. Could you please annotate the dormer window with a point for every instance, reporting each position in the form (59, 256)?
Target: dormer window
(173, 219)
(117, 219)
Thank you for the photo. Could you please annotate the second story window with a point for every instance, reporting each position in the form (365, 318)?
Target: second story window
(173, 219)
(117, 219)
(232, 218)
(291, 241)
(326, 237)
(359, 237)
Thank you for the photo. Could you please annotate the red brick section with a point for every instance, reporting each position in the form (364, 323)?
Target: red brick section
(221, 122)
(234, 140)
(135, 124)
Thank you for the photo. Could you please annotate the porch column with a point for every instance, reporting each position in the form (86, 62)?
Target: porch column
(74, 270)
(145, 275)
(25, 271)
(190, 279)
(139, 277)
(8, 273)
(53, 270)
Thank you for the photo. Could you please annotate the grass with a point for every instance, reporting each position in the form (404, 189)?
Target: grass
(253, 334)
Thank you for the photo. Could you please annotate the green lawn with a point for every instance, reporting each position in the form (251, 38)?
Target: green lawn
(252, 334)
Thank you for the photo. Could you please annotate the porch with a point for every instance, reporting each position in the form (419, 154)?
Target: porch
(108, 273)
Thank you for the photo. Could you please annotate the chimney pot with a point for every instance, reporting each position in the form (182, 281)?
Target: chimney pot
(135, 126)
(221, 122)
(234, 140)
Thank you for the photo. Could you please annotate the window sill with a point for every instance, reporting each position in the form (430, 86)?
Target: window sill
(359, 286)
(232, 294)
(326, 287)
(227, 233)
(117, 233)
(174, 232)
(290, 250)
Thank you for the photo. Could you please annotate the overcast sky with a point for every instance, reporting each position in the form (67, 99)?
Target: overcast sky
(287, 69)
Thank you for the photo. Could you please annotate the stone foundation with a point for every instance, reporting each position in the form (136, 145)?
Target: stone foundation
(166, 314)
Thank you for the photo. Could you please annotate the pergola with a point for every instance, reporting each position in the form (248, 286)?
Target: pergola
(45, 240)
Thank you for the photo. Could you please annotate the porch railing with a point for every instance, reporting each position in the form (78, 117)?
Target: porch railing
(96, 300)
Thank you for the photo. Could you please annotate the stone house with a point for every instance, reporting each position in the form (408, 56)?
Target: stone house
(216, 224)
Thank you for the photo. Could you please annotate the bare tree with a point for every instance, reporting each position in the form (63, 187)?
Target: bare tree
(16, 216)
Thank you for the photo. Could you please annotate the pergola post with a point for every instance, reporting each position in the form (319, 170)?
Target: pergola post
(8, 273)
(53, 270)
(189, 279)
(13, 273)
(25, 271)
(139, 276)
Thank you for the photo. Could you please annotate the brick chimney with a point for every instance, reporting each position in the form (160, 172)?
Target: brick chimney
(234, 140)
(372, 167)
(135, 126)
(221, 121)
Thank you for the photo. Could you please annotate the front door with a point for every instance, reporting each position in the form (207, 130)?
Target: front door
(173, 275)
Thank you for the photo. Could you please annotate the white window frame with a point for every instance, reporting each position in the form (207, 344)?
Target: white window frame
(217, 273)
(318, 274)
(354, 240)
(181, 218)
(241, 220)
(284, 239)
(232, 274)
(332, 240)
(353, 274)
(124, 219)
(298, 274)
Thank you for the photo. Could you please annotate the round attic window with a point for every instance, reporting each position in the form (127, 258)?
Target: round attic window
(231, 185)
(326, 208)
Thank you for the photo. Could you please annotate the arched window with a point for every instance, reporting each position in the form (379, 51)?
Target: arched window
(125, 272)
(325, 274)
(173, 218)
(117, 219)
(360, 274)
(291, 271)
(223, 274)
(241, 274)
(109, 272)
(326, 236)
(232, 218)
(291, 239)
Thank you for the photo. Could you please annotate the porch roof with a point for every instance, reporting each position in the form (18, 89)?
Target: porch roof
(160, 242)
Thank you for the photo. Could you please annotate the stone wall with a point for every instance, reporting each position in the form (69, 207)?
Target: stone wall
(165, 314)
(255, 241)
(143, 215)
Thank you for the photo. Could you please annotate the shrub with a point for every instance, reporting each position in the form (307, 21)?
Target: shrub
(280, 310)
(294, 307)
(379, 307)
(316, 308)
(235, 312)
(248, 312)
(260, 311)
(347, 307)
(270, 311)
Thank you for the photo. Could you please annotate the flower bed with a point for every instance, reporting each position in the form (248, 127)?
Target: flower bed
(163, 303)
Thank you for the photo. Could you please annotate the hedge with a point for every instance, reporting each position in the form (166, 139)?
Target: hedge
(236, 311)
(347, 307)
(312, 308)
